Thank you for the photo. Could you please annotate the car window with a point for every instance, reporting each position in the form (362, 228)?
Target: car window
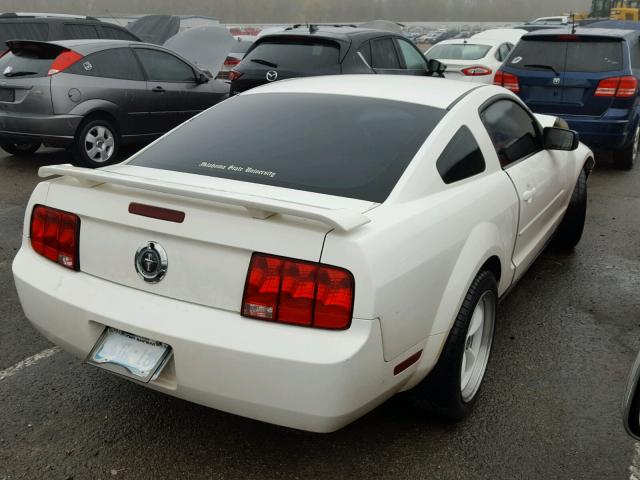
(72, 31)
(113, 33)
(575, 56)
(458, 51)
(114, 63)
(365, 51)
(28, 61)
(347, 146)
(462, 158)
(383, 54)
(23, 31)
(503, 52)
(413, 59)
(514, 133)
(308, 57)
(164, 67)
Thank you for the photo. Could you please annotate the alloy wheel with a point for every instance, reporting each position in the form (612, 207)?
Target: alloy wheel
(99, 144)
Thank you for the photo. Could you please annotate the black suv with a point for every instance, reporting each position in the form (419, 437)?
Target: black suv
(43, 28)
(328, 50)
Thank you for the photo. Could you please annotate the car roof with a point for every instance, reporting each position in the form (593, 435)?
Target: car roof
(88, 46)
(429, 91)
(471, 41)
(584, 31)
(340, 33)
(61, 19)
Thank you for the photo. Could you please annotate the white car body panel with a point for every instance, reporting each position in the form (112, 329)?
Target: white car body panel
(413, 262)
(493, 38)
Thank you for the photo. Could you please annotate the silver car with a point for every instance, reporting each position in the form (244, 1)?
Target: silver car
(92, 96)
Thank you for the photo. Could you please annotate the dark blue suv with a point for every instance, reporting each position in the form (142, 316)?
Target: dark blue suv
(589, 78)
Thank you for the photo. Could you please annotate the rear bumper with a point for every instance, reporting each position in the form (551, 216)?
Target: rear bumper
(54, 130)
(296, 377)
(601, 132)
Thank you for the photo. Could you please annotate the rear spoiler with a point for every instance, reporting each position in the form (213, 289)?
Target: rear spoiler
(257, 206)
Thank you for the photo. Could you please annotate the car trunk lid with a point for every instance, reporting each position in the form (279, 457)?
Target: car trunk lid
(210, 249)
(559, 74)
(24, 80)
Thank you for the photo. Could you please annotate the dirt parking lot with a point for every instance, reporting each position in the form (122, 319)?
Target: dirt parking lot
(550, 408)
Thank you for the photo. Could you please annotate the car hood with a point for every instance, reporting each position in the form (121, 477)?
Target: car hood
(155, 29)
(206, 47)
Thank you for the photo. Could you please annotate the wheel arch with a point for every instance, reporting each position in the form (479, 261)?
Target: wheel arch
(97, 108)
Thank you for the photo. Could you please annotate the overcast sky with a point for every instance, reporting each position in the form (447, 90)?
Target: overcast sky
(275, 11)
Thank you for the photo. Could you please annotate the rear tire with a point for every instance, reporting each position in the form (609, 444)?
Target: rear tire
(625, 159)
(569, 232)
(96, 143)
(20, 149)
(452, 387)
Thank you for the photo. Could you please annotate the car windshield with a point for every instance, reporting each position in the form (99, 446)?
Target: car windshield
(308, 57)
(339, 145)
(459, 51)
(586, 55)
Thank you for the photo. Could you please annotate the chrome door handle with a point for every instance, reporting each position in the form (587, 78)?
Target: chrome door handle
(527, 195)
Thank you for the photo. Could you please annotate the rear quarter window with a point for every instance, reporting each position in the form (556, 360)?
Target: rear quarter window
(339, 145)
(304, 56)
(73, 31)
(461, 159)
(117, 63)
(23, 31)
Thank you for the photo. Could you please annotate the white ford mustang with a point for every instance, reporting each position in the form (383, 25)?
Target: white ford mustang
(302, 252)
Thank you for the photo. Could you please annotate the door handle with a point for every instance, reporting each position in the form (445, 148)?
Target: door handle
(527, 195)
(157, 89)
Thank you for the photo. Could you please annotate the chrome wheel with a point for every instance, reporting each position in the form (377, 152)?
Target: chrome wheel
(99, 144)
(477, 346)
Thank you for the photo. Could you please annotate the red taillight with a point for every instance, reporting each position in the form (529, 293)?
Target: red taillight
(620, 87)
(231, 62)
(507, 80)
(297, 292)
(233, 75)
(476, 71)
(64, 61)
(55, 235)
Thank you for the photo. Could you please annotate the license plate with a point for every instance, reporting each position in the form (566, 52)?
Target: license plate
(129, 355)
(7, 95)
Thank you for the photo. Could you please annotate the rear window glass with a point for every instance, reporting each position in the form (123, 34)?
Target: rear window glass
(333, 144)
(28, 61)
(240, 47)
(23, 31)
(113, 33)
(465, 51)
(305, 57)
(584, 56)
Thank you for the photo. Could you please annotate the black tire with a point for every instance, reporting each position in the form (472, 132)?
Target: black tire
(441, 392)
(20, 149)
(569, 232)
(625, 158)
(105, 134)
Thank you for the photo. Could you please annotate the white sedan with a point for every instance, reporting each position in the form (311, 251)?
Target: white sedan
(302, 252)
(476, 59)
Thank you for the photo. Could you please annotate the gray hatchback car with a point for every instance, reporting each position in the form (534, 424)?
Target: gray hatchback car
(91, 96)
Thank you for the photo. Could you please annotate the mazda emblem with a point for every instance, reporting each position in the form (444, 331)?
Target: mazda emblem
(272, 76)
(151, 262)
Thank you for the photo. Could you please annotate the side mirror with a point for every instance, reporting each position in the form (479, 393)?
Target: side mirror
(560, 139)
(202, 78)
(436, 68)
(631, 405)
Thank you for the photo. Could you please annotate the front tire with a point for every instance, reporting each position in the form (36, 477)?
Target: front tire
(569, 232)
(452, 387)
(20, 149)
(96, 144)
(625, 159)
